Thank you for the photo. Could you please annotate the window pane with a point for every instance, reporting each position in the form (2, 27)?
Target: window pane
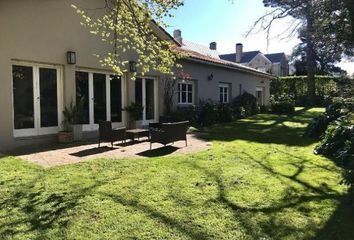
(184, 87)
(190, 88)
(150, 99)
(82, 94)
(99, 89)
(184, 97)
(139, 93)
(116, 99)
(190, 97)
(23, 97)
(49, 97)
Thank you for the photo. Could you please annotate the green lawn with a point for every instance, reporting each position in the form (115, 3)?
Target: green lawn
(259, 181)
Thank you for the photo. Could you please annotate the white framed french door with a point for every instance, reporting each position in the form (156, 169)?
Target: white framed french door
(260, 96)
(146, 94)
(102, 97)
(37, 99)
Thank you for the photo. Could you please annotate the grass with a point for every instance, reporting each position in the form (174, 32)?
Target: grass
(259, 181)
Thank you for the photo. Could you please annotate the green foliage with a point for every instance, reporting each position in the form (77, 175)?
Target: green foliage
(282, 104)
(249, 185)
(208, 112)
(135, 111)
(296, 86)
(338, 141)
(248, 102)
(73, 114)
(127, 27)
(337, 108)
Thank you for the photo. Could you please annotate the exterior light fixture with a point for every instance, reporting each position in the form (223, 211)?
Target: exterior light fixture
(71, 57)
(211, 77)
(132, 66)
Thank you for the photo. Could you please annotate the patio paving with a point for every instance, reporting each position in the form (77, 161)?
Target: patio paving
(56, 154)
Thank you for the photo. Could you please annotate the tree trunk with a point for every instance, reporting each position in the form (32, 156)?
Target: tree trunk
(311, 58)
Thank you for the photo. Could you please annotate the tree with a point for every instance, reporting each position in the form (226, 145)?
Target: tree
(127, 25)
(319, 20)
(328, 54)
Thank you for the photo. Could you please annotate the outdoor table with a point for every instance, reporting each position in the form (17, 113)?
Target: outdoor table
(137, 133)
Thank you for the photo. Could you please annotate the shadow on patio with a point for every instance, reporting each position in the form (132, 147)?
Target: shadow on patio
(60, 154)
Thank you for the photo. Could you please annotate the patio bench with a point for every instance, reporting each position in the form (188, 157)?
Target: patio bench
(165, 133)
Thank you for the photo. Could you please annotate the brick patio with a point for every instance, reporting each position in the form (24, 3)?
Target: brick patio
(56, 154)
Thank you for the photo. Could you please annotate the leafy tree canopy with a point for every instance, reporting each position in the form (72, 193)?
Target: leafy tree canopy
(127, 25)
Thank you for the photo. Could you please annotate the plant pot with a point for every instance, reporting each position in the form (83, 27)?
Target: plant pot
(77, 132)
(132, 125)
(65, 137)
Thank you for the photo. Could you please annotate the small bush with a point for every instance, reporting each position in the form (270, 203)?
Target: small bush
(334, 111)
(338, 141)
(282, 104)
(248, 102)
(209, 112)
(264, 109)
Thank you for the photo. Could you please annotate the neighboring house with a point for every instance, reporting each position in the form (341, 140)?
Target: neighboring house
(275, 64)
(37, 81)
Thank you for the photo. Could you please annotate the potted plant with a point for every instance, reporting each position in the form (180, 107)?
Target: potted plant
(73, 119)
(135, 111)
(66, 135)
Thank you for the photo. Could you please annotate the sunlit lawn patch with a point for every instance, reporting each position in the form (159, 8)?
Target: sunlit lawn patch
(259, 181)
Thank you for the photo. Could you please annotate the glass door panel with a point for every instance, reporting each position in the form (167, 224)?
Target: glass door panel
(99, 89)
(149, 99)
(83, 95)
(48, 92)
(116, 99)
(139, 93)
(23, 97)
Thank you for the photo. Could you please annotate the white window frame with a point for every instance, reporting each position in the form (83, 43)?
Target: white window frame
(179, 100)
(38, 130)
(92, 126)
(223, 87)
(144, 121)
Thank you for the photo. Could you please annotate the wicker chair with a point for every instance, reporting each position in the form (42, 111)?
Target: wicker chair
(169, 133)
(107, 134)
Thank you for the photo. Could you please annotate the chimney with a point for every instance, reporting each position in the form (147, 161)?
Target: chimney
(213, 46)
(239, 52)
(177, 35)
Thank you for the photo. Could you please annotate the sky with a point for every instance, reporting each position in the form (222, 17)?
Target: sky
(227, 22)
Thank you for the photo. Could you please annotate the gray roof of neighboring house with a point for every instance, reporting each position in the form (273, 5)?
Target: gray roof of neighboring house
(246, 56)
(275, 57)
(187, 45)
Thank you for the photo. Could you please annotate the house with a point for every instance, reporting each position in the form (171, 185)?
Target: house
(38, 81)
(212, 78)
(276, 63)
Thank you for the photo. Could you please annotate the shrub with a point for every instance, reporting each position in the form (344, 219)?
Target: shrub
(335, 110)
(207, 113)
(264, 109)
(248, 102)
(338, 141)
(282, 104)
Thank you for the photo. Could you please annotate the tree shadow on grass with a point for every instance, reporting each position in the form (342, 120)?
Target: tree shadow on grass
(32, 210)
(266, 128)
(273, 228)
